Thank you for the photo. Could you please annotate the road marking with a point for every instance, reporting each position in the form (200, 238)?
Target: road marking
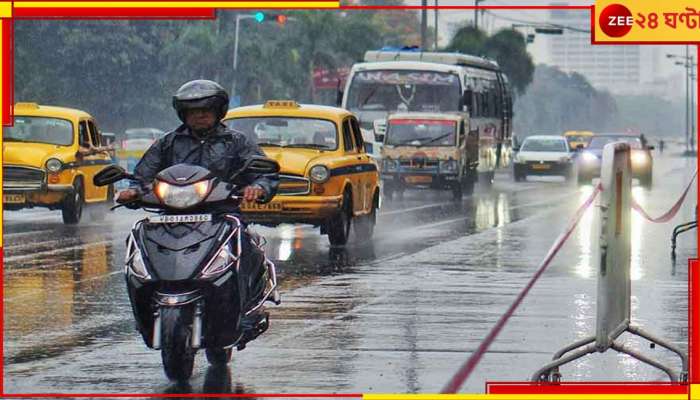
(22, 234)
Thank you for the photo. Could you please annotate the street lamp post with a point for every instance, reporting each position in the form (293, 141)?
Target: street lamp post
(689, 64)
(239, 17)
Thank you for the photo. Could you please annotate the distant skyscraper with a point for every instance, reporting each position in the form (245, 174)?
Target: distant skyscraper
(612, 67)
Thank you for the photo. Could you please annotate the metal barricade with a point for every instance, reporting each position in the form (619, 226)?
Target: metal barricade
(614, 284)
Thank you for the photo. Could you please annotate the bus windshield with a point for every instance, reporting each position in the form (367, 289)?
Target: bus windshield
(401, 90)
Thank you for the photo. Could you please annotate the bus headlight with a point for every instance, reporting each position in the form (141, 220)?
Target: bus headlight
(390, 165)
(449, 166)
(588, 158)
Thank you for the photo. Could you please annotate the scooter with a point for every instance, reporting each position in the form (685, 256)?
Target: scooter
(187, 286)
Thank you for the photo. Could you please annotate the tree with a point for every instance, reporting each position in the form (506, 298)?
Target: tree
(508, 47)
(556, 102)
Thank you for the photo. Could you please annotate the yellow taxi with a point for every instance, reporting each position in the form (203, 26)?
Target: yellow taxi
(326, 177)
(578, 138)
(50, 156)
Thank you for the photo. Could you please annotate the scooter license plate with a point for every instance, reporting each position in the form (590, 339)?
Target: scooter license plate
(179, 219)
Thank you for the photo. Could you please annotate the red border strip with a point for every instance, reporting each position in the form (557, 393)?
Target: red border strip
(114, 13)
(693, 320)
(8, 70)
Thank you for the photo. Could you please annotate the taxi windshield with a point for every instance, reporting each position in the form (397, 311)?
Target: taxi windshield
(578, 139)
(39, 130)
(553, 145)
(421, 132)
(288, 131)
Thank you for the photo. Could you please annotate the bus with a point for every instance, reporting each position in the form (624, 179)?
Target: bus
(403, 80)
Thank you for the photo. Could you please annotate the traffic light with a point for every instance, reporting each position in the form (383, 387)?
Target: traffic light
(261, 17)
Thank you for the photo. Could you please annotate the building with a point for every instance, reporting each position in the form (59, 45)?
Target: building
(613, 68)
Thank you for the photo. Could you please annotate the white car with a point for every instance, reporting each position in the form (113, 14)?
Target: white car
(543, 155)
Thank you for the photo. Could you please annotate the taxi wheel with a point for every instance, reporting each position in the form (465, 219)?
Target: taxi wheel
(364, 226)
(339, 225)
(72, 208)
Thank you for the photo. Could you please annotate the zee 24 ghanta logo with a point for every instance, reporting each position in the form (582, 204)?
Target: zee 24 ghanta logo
(616, 20)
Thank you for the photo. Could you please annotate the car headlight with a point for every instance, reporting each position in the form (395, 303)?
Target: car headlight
(565, 159)
(588, 157)
(181, 196)
(137, 267)
(54, 165)
(390, 165)
(449, 166)
(319, 174)
(220, 263)
(639, 158)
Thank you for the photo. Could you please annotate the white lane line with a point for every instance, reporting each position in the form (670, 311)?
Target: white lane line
(6, 236)
(415, 208)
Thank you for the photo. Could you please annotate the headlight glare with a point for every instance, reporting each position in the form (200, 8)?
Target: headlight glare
(639, 158)
(319, 174)
(181, 196)
(588, 157)
(54, 165)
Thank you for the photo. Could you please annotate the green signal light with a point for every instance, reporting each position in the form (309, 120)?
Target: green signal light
(259, 16)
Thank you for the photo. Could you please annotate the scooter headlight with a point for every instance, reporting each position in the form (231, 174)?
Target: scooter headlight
(220, 263)
(137, 266)
(181, 196)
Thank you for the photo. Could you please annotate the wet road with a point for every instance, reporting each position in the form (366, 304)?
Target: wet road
(399, 314)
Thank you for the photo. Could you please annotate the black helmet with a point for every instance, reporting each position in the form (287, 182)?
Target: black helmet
(201, 93)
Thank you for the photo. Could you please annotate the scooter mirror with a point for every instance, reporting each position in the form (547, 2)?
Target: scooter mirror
(109, 174)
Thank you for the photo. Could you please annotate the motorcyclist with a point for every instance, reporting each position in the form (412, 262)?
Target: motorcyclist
(203, 140)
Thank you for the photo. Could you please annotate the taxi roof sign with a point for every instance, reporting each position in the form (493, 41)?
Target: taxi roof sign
(281, 104)
(27, 105)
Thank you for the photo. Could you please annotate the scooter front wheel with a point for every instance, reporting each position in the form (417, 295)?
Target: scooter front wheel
(176, 352)
(219, 356)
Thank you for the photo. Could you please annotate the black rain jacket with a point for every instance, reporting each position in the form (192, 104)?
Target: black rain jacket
(223, 151)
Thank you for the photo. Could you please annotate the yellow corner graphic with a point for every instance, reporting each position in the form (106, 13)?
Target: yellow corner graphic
(178, 4)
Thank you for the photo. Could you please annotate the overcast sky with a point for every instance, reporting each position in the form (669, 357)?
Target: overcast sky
(496, 19)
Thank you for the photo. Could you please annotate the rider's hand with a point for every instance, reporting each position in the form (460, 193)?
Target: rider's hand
(127, 196)
(253, 192)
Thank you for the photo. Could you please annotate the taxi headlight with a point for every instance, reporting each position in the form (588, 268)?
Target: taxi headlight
(137, 267)
(639, 158)
(319, 174)
(181, 196)
(565, 159)
(449, 166)
(588, 157)
(220, 263)
(54, 165)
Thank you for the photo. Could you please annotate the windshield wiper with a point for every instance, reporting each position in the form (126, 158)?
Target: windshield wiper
(11, 139)
(269, 144)
(369, 96)
(407, 141)
(438, 138)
